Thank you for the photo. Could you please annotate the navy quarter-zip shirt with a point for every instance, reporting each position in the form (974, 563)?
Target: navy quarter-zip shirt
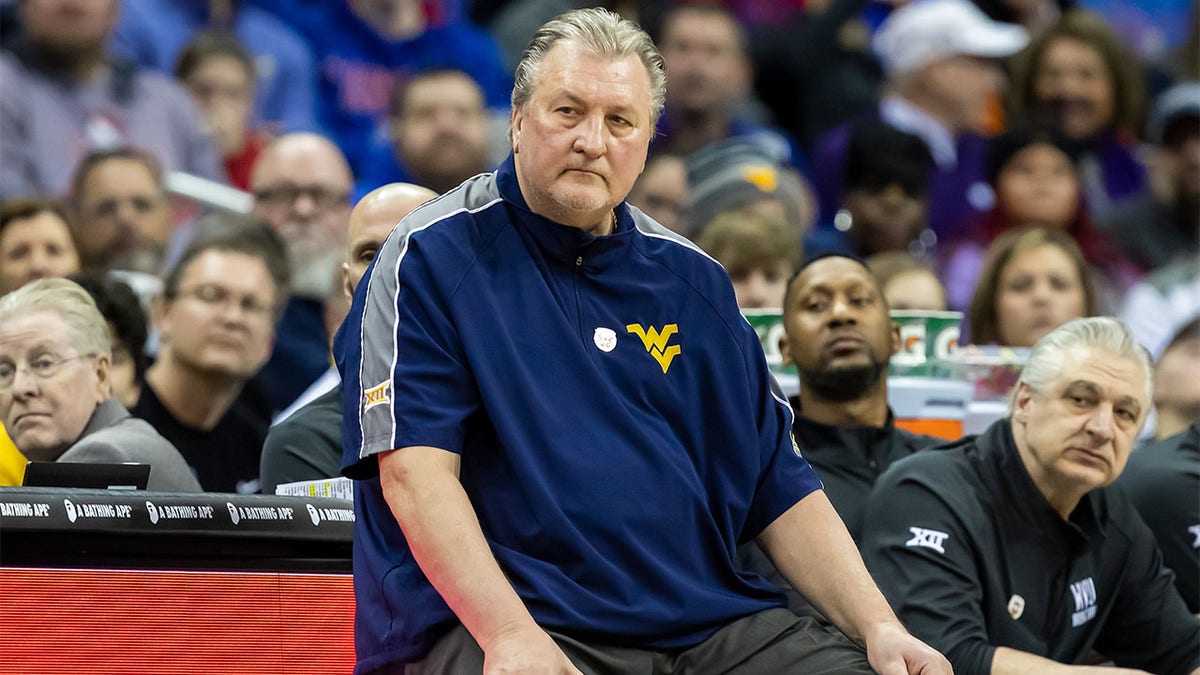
(619, 430)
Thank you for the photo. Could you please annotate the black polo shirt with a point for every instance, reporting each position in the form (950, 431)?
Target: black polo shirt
(849, 459)
(1163, 480)
(972, 557)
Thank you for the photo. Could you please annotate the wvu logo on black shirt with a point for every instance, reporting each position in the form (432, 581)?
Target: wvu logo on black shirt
(656, 342)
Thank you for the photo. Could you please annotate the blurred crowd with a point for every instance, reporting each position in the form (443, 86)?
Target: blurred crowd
(194, 166)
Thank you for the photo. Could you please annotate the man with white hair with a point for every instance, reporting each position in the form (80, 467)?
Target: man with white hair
(55, 387)
(1010, 552)
(941, 62)
(561, 427)
(301, 187)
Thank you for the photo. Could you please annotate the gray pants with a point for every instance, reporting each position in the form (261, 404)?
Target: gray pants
(774, 642)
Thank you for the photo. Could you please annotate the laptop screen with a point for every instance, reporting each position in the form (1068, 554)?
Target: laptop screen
(86, 475)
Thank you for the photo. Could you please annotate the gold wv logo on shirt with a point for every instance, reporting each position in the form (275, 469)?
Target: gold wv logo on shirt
(656, 342)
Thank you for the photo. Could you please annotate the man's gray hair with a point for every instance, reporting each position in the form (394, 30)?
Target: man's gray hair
(88, 329)
(600, 32)
(1100, 332)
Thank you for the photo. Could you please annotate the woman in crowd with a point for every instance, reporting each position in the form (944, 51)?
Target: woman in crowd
(1032, 281)
(1079, 76)
(1034, 173)
(35, 243)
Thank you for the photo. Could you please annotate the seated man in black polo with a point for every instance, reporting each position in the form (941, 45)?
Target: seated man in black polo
(1163, 480)
(839, 336)
(1010, 551)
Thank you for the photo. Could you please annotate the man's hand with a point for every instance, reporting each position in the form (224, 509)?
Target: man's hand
(525, 649)
(891, 650)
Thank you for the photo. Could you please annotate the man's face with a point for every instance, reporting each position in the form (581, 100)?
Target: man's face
(1177, 377)
(967, 84)
(124, 218)
(1075, 433)
(441, 134)
(1038, 291)
(837, 329)
(370, 224)
(48, 389)
(884, 220)
(661, 191)
(704, 62)
(302, 190)
(38, 247)
(1179, 158)
(1074, 83)
(222, 318)
(68, 26)
(582, 138)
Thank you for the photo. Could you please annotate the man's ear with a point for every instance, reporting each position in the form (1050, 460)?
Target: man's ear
(103, 368)
(895, 337)
(1021, 402)
(785, 352)
(515, 121)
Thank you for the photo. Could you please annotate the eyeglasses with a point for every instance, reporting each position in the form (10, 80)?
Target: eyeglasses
(286, 195)
(214, 296)
(42, 367)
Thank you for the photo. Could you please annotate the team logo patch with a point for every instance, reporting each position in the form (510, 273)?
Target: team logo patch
(1195, 530)
(605, 339)
(656, 342)
(924, 538)
(377, 395)
(1016, 606)
(1084, 594)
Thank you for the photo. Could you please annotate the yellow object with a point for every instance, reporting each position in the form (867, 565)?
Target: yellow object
(12, 462)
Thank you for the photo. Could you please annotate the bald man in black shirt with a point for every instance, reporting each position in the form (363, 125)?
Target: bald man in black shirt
(839, 336)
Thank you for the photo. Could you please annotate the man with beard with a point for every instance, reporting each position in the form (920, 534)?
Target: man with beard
(438, 124)
(122, 218)
(301, 187)
(839, 336)
(305, 441)
(62, 96)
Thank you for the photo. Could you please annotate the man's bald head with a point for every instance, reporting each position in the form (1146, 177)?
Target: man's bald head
(372, 219)
(301, 154)
(301, 185)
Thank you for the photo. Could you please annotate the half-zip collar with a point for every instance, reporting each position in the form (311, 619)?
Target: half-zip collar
(1024, 498)
(563, 242)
